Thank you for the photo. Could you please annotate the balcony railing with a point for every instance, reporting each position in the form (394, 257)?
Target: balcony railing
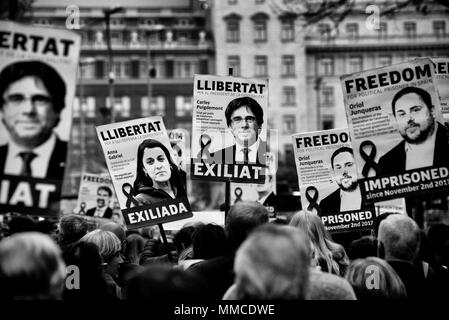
(154, 45)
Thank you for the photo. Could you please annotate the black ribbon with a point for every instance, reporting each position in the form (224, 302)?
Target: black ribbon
(238, 194)
(82, 207)
(205, 147)
(313, 204)
(129, 195)
(369, 158)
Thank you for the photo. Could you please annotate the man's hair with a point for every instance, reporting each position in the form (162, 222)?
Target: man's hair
(105, 188)
(252, 104)
(31, 267)
(71, 229)
(338, 151)
(273, 263)
(51, 79)
(400, 237)
(423, 94)
(242, 218)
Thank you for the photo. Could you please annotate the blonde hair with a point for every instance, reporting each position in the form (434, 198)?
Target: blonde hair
(323, 246)
(386, 284)
(107, 242)
(273, 263)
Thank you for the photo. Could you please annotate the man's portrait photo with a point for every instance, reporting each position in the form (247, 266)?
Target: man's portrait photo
(425, 141)
(32, 98)
(102, 209)
(244, 116)
(347, 197)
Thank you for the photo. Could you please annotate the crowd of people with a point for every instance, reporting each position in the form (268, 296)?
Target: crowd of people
(250, 258)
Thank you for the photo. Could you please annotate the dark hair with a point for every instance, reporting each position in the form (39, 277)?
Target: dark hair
(209, 241)
(338, 151)
(242, 218)
(142, 180)
(51, 79)
(105, 188)
(71, 229)
(423, 94)
(252, 104)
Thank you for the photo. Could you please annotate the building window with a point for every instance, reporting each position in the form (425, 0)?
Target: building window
(157, 106)
(327, 124)
(260, 30)
(410, 29)
(326, 67)
(289, 123)
(355, 64)
(260, 1)
(122, 69)
(288, 96)
(439, 28)
(87, 71)
(352, 30)
(382, 32)
(261, 66)
(234, 63)
(183, 106)
(288, 30)
(233, 31)
(324, 31)
(122, 106)
(88, 107)
(384, 61)
(186, 69)
(327, 96)
(288, 66)
(232, 2)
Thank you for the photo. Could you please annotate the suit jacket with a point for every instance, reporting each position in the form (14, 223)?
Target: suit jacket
(56, 166)
(227, 155)
(107, 214)
(331, 204)
(393, 162)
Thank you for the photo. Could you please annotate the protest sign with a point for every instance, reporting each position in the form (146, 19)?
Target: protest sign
(442, 84)
(145, 177)
(397, 132)
(229, 129)
(328, 182)
(178, 141)
(37, 84)
(96, 197)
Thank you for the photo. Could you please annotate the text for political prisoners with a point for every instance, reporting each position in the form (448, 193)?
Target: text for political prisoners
(328, 181)
(120, 142)
(395, 123)
(215, 143)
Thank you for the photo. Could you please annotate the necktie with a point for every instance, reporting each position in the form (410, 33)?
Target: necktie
(27, 157)
(245, 155)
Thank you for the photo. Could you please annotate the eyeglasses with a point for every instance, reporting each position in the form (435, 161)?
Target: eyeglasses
(38, 100)
(248, 119)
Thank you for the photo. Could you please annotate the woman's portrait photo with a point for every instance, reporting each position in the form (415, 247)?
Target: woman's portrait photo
(157, 176)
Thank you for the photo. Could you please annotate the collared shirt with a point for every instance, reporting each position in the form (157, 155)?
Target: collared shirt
(99, 212)
(39, 165)
(350, 200)
(420, 155)
(252, 155)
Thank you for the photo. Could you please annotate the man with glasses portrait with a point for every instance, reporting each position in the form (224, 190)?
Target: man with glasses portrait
(32, 98)
(244, 116)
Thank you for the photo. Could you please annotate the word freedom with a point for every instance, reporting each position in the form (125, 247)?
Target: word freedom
(130, 130)
(229, 86)
(388, 78)
(321, 140)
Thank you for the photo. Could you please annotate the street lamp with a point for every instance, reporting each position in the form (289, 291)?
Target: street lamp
(107, 17)
(151, 71)
(82, 63)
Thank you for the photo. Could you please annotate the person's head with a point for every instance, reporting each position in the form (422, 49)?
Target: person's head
(21, 224)
(328, 286)
(273, 263)
(32, 96)
(109, 246)
(134, 247)
(104, 194)
(400, 237)
(374, 279)
(154, 164)
(71, 228)
(243, 217)
(209, 241)
(344, 169)
(414, 113)
(363, 247)
(244, 116)
(31, 267)
(267, 187)
(164, 283)
(183, 238)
